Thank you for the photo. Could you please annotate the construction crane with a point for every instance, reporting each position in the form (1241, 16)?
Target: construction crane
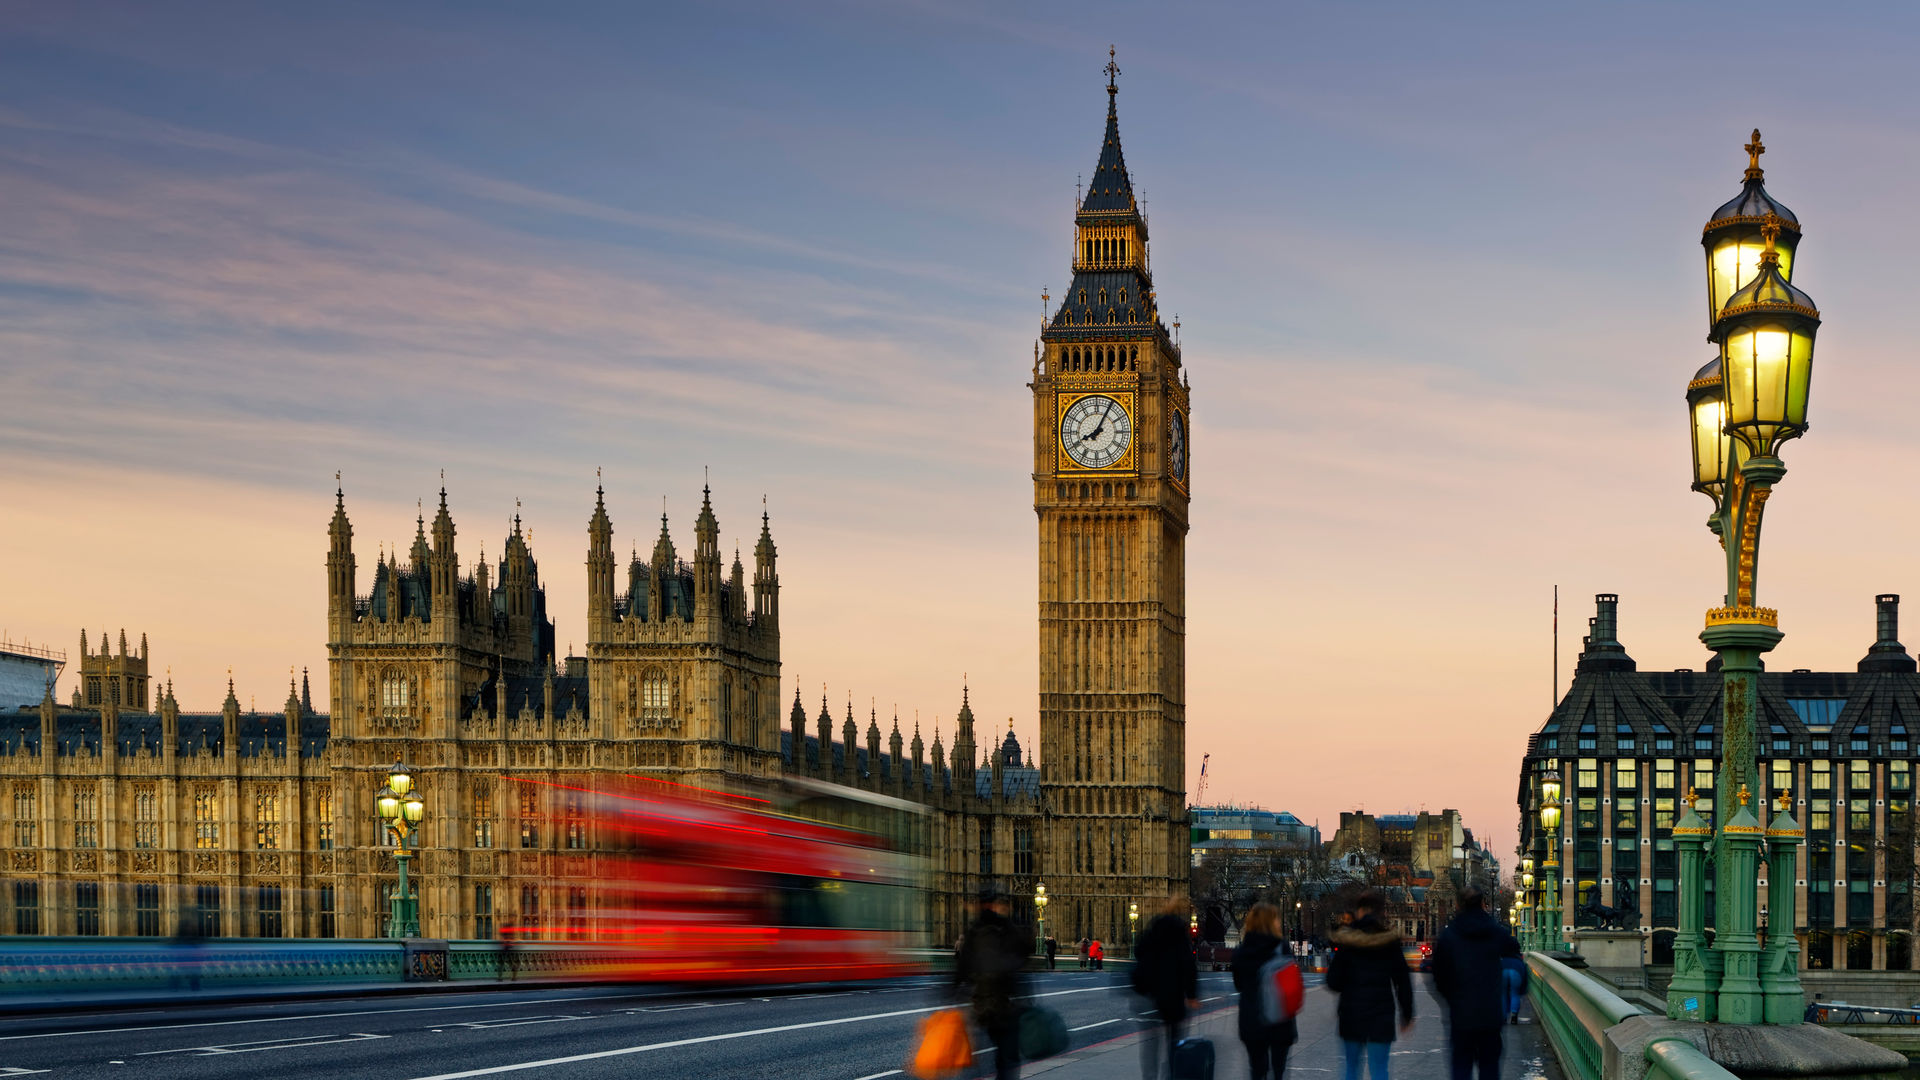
(1200, 796)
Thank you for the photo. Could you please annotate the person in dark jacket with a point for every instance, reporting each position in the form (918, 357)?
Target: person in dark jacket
(992, 953)
(1369, 972)
(1266, 1043)
(1165, 973)
(1469, 974)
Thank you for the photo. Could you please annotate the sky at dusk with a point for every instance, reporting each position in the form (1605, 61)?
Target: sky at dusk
(1438, 273)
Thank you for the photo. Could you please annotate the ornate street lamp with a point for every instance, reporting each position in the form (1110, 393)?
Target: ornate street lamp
(1040, 915)
(401, 809)
(1526, 897)
(1740, 409)
(1550, 821)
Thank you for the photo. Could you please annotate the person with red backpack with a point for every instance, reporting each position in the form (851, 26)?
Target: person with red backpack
(1271, 992)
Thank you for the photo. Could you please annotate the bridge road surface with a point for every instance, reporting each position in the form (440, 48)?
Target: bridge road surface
(856, 1032)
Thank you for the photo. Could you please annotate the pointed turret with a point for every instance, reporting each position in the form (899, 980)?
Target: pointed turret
(766, 582)
(123, 641)
(849, 736)
(797, 725)
(340, 586)
(737, 591)
(422, 554)
(599, 569)
(516, 577)
(894, 744)
(664, 567)
(230, 721)
(1112, 281)
(306, 694)
(963, 744)
(873, 744)
(446, 565)
(939, 761)
(823, 733)
(919, 758)
(706, 559)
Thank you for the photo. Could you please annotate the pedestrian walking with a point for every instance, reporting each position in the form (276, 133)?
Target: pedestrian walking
(1053, 949)
(1084, 942)
(1470, 975)
(1164, 972)
(1098, 954)
(1513, 972)
(992, 953)
(1370, 975)
(1266, 1043)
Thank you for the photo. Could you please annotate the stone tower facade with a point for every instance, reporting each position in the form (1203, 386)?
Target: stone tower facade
(1110, 473)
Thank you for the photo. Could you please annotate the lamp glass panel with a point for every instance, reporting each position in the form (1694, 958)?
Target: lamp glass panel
(400, 782)
(388, 805)
(1734, 261)
(1550, 815)
(1550, 789)
(1709, 441)
(416, 810)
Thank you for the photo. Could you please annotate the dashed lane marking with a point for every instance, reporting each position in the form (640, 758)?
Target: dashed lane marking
(266, 1044)
(877, 1076)
(1090, 1027)
(517, 1021)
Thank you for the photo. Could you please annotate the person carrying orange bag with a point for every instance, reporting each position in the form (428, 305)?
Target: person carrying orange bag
(944, 1047)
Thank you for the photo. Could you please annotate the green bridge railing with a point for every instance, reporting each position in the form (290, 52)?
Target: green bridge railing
(1576, 1010)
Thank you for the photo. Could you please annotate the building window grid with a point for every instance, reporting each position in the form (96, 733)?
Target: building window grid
(146, 909)
(86, 908)
(482, 818)
(86, 818)
(26, 819)
(146, 817)
(270, 919)
(483, 912)
(266, 825)
(323, 825)
(206, 820)
(26, 907)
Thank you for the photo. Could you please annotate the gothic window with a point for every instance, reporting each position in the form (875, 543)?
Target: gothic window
(266, 824)
(1123, 296)
(26, 820)
(656, 695)
(396, 692)
(326, 911)
(529, 818)
(323, 811)
(146, 909)
(483, 911)
(1103, 296)
(530, 907)
(576, 823)
(86, 818)
(483, 818)
(26, 907)
(267, 906)
(146, 817)
(86, 908)
(1083, 298)
(206, 819)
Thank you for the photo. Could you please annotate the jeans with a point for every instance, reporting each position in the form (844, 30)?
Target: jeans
(1376, 1058)
(1265, 1053)
(1510, 988)
(1156, 1047)
(1476, 1048)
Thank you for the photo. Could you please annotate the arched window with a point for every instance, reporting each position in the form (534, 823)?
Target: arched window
(656, 696)
(396, 692)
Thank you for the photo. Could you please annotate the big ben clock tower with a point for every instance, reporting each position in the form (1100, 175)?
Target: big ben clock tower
(1110, 489)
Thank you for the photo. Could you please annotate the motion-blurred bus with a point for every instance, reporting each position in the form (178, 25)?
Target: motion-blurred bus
(804, 882)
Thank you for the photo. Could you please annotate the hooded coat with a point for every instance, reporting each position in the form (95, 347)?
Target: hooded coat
(1249, 956)
(1164, 969)
(992, 954)
(1369, 972)
(1467, 969)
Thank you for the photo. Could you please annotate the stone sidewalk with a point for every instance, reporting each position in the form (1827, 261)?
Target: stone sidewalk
(1419, 1055)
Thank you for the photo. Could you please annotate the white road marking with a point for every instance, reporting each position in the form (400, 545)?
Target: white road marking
(1102, 1023)
(266, 1044)
(877, 1076)
(17, 1071)
(722, 1037)
(517, 1021)
(684, 1008)
(280, 1019)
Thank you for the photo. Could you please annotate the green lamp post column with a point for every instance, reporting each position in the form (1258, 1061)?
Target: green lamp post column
(1550, 820)
(1780, 960)
(401, 809)
(1690, 994)
(1740, 1000)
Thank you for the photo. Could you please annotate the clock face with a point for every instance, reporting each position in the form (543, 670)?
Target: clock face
(1177, 446)
(1096, 431)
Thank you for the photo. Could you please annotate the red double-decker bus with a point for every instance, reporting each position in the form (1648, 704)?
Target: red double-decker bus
(807, 882)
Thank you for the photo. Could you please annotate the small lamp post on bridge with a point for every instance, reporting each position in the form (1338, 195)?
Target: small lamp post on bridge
(1550, 821)
(1040, 916)
(1133, 928)
(1526, 905)
(401, 809)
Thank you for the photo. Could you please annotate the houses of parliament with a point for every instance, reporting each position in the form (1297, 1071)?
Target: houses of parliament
(125, 814)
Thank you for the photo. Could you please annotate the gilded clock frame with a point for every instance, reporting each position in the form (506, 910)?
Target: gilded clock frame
(1176, 411)
(1063, 462)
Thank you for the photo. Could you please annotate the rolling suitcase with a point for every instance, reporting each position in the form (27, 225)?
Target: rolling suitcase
(1193, 1059)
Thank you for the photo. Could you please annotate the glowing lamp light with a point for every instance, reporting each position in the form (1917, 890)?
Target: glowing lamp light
(399, 779)
(1734, 240)
(415, 808)
(1765, 334)
(387, 804)
(1550, 801)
